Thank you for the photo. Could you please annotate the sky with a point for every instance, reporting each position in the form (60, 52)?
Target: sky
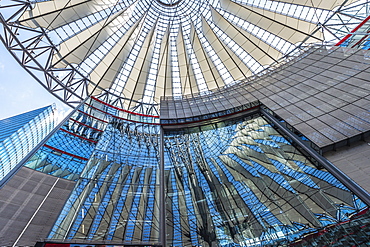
(19, 92)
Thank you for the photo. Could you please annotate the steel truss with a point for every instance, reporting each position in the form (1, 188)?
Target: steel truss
(34, 49)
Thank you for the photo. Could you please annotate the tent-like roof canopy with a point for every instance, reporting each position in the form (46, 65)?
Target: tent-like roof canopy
(141, 50)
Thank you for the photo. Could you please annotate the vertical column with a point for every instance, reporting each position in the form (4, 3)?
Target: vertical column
(162, 205)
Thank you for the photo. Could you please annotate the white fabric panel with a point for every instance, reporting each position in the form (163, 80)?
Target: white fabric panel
(255, 47)
(164, 76)
(78, 47)
(169, 75)
(283, 26)
(106, 71)
(136, 82)
(192, 79)
(322, 4)
(210, 72)
(53, 14)
(227, 58)
(185, 68)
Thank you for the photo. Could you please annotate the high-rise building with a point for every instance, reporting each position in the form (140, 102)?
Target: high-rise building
(195, 123)
(20, 134)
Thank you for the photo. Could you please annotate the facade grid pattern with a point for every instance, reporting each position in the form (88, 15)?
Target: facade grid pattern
(304, 92)
(235, 181)
(21, 133)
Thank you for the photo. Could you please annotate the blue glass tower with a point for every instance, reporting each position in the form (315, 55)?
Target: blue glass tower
(20, 134)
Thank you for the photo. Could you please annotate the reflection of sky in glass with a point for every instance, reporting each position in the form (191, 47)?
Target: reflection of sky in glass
(256, 187)
(234, 182)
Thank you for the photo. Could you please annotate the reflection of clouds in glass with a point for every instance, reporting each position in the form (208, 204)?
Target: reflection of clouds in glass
(61, 112)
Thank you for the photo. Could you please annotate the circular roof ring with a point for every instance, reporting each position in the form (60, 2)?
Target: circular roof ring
(169, 3)
(138, 53)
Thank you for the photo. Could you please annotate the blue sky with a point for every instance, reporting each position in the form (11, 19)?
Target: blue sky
(19, 92)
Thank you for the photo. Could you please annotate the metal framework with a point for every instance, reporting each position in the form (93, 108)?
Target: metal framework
(114, 60)
(131, 53)
(232, 181)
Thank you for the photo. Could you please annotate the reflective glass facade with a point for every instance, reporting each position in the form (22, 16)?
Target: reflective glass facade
(114, 160)
(21, 133)
(235, 182)
(241, 183)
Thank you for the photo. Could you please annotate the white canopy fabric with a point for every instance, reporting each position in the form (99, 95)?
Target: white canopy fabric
(144, 49)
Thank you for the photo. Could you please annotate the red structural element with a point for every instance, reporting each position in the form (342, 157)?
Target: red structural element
(56, 245)
(360, 41)
(63, 152)
(327, 229)
(74, 120)
(119, 117)
(139, 114)
(353, 31)
(78, 135)
(93, 116)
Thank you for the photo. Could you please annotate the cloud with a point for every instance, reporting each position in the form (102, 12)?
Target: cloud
(61, 112)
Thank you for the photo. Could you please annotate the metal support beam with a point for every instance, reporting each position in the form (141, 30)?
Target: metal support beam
(162, 202)
(343, 178)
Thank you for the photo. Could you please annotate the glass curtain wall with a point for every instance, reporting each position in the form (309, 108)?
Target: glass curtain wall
(241, 183)
(113, 157)
(231, 183)
(21, 133)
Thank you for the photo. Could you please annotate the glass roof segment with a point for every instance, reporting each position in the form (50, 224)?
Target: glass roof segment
(141, 50)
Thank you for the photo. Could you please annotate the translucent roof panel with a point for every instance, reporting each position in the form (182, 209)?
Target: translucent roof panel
(140, 50)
